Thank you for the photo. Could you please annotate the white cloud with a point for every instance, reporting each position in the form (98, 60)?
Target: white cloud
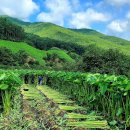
(118, 26)
(61, 11)
(17, 8)
(84, 19)
(128, 15)
(117, 3)
(58, 10)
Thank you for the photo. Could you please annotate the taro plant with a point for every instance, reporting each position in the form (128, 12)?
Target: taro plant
(107, 94)
(9, 81)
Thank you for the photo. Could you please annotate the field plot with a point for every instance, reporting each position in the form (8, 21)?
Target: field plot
(73, 113)
(49, 109)
(66, 101)
(40, 111)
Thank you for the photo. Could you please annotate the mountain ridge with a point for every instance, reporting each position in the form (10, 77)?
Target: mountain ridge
(82, 37)
(18, 21)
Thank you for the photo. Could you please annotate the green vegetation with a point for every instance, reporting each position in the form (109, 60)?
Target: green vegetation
(93, 60)
(8, 83)
(108, 94)
(48, 30)
(15, 20)
(82, 36)
(89, 98)
(47, 43)
(63, 54)
(51, 94)
(31, 51)
(110, 61)
(89, 124)
(10, 31)
(38, 55)
(60, 53)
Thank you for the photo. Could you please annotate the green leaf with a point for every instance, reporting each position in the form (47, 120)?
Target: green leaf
(77, 81)
(125, 94)
(3, 86)
(2, 77)
(112, 123)
(128, 87)
(103, 88)
(119, 112)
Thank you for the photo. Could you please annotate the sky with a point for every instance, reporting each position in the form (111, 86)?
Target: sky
(111, 17)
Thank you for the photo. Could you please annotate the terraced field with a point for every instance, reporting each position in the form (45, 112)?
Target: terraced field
(66, 101)
(57, 111)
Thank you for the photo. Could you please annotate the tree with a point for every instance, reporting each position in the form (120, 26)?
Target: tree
(10, 31)
(22, 57)
(109, 61)
(92, 58)
(116, 62)
(7, 57)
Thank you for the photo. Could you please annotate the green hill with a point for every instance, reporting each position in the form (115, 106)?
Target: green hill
(87, 31)
(80, 36)
(15, 20)
(61, 54)
(16, 46)
(35, 53)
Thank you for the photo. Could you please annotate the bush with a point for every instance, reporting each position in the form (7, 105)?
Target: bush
(10, 59)
(106, 61)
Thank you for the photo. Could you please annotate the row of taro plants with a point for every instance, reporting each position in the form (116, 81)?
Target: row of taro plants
(9, 81)
(108, 94)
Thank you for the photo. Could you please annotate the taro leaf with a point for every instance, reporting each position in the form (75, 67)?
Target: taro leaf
(125, 94)
(3, 86)
(92, 98)
(119, 112)
(103, 88)
(91, 79)
(112, 123)
(14, 79)
(128, 87)
(77, 81)
(111, 78)
(2, 76)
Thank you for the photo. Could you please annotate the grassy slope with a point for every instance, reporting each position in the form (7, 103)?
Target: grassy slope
(87, 31)
(16, 46)
(82, 36)
(37, 54)
(61, 54)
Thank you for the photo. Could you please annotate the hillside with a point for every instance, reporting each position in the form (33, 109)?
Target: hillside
(87, 31)
(16, 46)
(35, 53)
(61, 54)
(80, 36)
(15, 20)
